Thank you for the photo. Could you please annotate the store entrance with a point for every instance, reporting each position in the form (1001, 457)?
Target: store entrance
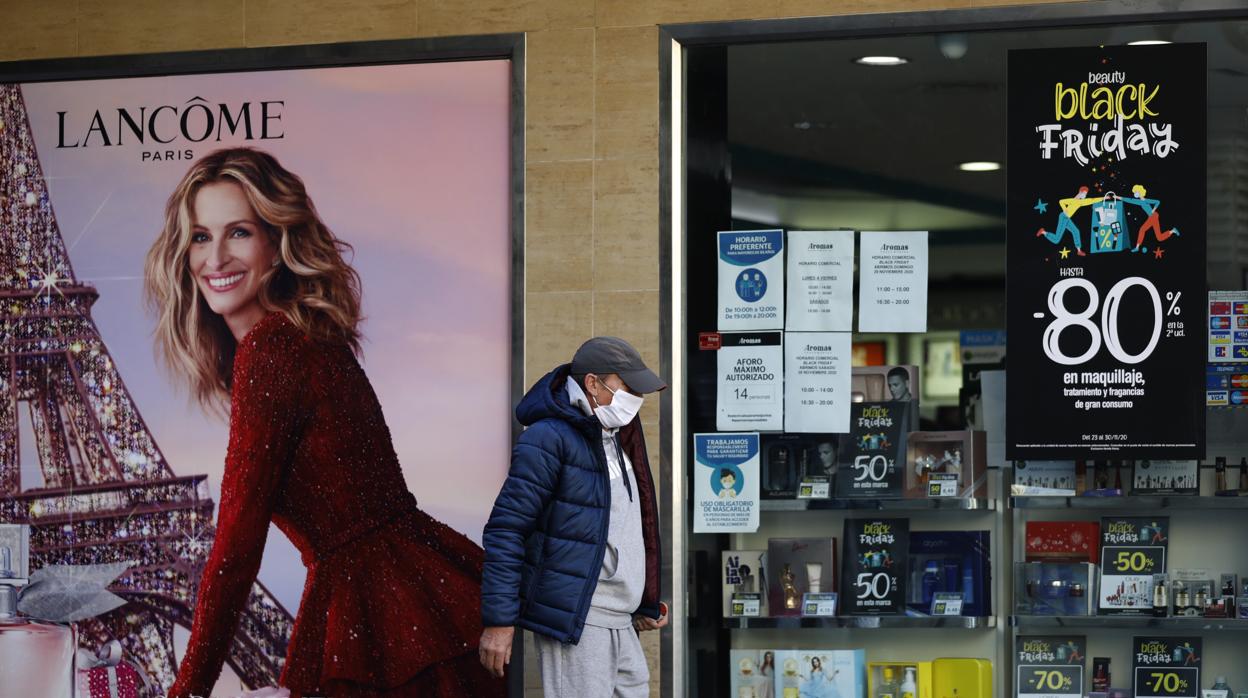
(862, 168)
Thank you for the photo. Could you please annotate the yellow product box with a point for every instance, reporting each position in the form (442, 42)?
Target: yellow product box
(962, 677)
(884, 679)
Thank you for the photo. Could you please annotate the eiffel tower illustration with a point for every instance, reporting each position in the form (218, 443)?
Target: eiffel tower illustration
(108, 495)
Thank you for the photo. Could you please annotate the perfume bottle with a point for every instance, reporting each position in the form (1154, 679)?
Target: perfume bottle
(36, 659)
(1100, 674)
(789, 586)
(1161, 601)
(1243, 474)
(888, 684)
(1220, 471)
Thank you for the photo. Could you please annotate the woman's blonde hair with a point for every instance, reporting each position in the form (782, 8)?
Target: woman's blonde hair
(313, 286)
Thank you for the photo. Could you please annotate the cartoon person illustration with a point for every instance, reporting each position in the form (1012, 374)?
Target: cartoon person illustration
(727, 484)
(1065, 220)
(1157, 536)
(1153, 222)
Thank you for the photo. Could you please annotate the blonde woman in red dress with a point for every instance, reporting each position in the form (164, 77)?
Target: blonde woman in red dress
(259, 312)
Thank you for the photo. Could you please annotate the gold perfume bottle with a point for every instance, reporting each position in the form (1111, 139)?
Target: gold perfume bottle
(788, 584)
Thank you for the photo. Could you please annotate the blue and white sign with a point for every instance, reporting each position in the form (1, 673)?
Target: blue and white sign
(725, 483)
(751, 280)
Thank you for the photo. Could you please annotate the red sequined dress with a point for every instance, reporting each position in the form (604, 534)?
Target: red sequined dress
(391, 606)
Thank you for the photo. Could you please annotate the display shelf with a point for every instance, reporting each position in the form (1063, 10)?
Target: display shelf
(948, 504)
(863, 622)
(1177, 502)
(1127, 623)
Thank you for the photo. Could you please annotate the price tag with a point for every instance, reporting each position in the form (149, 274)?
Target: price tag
(1167, 682)
(819, 605)
(943, 485)
(947, 603)
(814, 489)
(747, 605)
(1050, 681)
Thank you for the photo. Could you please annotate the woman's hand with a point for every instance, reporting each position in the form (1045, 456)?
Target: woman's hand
(642, 623)
(495, 649)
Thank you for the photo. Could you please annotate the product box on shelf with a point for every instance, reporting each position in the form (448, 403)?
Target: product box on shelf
(873, 576)
(962, 677)
(885, 679)
(931, 455)
(885, 384)
(1166, 477)
(791, 459)
(1133, 549)
(1055, 588)
(1162, 663)
(1110, 477)
(744, 572)
(1049, 666)
(1192, 591)
(805, 673)
(957, 562)
(798, 566)
(1062, 541)
(873, 455)
(1048, 478)
(753, 673)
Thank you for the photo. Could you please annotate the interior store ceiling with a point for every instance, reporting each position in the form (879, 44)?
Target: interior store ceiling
(819, 141)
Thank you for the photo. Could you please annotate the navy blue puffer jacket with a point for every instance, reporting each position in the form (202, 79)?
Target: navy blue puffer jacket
(547, 534)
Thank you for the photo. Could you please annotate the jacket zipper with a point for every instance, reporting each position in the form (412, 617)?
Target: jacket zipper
(586, 596)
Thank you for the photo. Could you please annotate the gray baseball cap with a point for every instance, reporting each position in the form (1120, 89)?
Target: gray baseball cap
(604, 355)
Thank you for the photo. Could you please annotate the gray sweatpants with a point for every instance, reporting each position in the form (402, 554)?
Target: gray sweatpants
(606, 663)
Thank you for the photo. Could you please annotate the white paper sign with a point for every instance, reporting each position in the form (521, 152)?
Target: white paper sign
(892, 286)
(726, 483)
(817, 385)
(820, 281)
(750, 388)
(751, 280)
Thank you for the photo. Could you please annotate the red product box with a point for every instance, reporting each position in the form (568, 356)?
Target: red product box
(1063, 541)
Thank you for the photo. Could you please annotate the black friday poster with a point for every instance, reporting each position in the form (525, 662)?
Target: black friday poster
(1106, 252)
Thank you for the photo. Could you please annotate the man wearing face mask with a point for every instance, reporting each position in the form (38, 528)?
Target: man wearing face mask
(572, 545)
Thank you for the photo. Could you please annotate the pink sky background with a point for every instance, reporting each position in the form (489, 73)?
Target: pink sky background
(410, 165)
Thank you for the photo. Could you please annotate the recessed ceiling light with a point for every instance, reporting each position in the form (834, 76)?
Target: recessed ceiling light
(1147, 42)
(881, 60)
(979, 166)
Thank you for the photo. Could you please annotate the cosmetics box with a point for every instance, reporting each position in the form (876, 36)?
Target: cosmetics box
(811, 568)
(933, 453)
(877, 687)
(954, 562)
(753, 673)
(802, 673)
(1055, 588)
(872, 384)
(791, 459)
(1048, 478)
(744, 572)
(962, 677)
(1166, 477)
(1062, 541)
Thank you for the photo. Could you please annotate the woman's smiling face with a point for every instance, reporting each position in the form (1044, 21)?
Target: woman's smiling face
(230, 252)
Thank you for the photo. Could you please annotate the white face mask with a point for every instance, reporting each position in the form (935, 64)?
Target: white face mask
(623, 408)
